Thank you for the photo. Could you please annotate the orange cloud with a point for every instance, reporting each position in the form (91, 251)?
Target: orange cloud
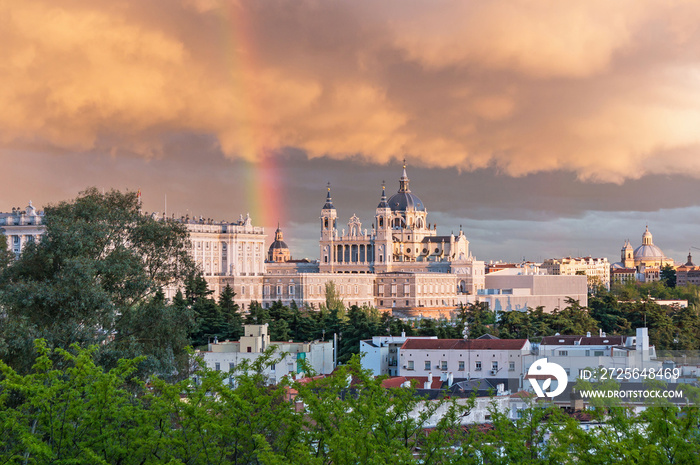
(606, 90)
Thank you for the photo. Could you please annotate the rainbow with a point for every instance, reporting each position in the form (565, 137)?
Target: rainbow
(263, 195)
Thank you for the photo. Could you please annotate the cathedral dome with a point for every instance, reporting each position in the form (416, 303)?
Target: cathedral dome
(404, 200)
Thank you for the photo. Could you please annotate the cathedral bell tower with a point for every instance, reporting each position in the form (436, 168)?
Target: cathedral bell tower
(382, 218)
(627, 255)
(329, 216)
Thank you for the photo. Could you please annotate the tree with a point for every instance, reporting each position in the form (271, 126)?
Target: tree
(5, 255)
(230, 312)
(99, 265)
(668, 276)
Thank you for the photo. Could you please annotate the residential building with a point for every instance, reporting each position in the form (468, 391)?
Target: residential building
(596, 270)
(381, 353)
(492, 359)
(289, 357)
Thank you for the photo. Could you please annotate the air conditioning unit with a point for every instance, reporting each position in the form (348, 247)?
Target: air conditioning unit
(493, 372)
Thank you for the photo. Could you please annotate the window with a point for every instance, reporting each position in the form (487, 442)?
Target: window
(461, 366)
(393, 289)
(563, 353)
(291, 289)
(242, 290)
(410, 365)
(217, 366)
(381, 289)
(15, 239)
(443, 365)
(406, 289)
(279, 290)
(249, 349)
(511, 366)
(477, 366)
(427, 364)
(598, 353)
(231, 366)
(494, 366)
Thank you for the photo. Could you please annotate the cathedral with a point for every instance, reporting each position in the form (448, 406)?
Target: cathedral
(641, 264)
(400, 262)
(646, 255)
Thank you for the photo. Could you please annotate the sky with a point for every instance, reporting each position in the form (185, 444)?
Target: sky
(542, 128)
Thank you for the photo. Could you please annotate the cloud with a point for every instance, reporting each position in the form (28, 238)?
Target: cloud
(608, 91)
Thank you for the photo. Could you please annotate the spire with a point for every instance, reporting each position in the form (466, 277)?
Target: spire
(382, 202)
(403, 181)
(329, 202)
(278, 233)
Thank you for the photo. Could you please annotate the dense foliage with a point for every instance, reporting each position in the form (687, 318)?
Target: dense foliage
(83, 414)
(96, 276)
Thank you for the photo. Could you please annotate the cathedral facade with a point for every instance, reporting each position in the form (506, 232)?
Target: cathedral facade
(399, 262)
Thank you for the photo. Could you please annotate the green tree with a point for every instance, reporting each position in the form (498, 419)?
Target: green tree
(230, 313)
(668, 276)
(100, 259)
(5, 255)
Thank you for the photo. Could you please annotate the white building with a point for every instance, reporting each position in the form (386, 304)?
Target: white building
(230, 253)
(577, 353)
(492, 359)
(597, 270)
(22, 226)
(226, 356)
(516, 289)
(381, 353)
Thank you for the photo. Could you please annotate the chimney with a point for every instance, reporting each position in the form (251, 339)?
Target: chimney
(450, 379)
(429, 382)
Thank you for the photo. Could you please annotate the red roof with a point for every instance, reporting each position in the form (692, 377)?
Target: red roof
(461, 344)
(397, 381)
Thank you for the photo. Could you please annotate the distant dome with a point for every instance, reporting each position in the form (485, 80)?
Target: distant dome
(647, 252)
(277, 245)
